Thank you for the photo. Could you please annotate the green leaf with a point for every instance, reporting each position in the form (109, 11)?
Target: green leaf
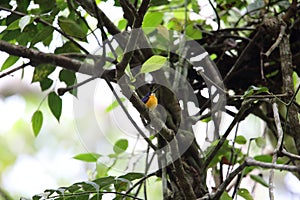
(68, 47)
(252, 90)
(259, 179)
(263, 158)
(88, 157)
(9, 62)
(46, 83)
(268, 158)
(5, 3)
(121, 146)
(121, 185)
(206, 120)
(151, 21)
(23, 5)
(153, 63)
(195, 6)
(132, 176)
(14, 25)
(24, 21)
(73, 188)
(105, 181)
(260, 142)
(42, 71)
(225, 196)
(101, 169)
(37, 122)
(245, 194)
(249, 169)
(159, 2)
(193, 33)
(71, 28)
(45, 5)
(55, 104)
(67, 76)
(42, 35)
(272, 74)
(240, 139)
(122, 24)
(114, 104)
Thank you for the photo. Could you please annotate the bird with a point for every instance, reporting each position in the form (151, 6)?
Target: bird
(150, 100)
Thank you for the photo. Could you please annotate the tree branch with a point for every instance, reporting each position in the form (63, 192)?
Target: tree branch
(277, 148)
(251, 162)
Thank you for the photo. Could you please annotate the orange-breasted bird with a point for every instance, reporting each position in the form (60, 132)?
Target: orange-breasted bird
(150, 100)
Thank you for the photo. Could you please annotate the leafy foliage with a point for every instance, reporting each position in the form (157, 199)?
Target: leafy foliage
(93, 189)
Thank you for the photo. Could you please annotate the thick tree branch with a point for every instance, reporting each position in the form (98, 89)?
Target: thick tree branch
(38, 57)
(288, 87)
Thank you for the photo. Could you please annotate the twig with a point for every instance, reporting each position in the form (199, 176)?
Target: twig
(217, 15)
(40, 57)
(62, 91)
(278, 40)
(291, 155)
(252, 162)
(14, 70)
(276, 150)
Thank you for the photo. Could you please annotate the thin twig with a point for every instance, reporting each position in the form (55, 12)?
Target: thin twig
(217, 15)
(252, 162)
(278, 40)
(276, 150)
(62, 91)
(291, 155)
(14, 69)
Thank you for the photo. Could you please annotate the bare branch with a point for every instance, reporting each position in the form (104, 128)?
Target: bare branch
(251, 162)
(276, 150)
(14, 70)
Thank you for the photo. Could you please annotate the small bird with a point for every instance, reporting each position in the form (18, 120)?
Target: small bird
(150, 100)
